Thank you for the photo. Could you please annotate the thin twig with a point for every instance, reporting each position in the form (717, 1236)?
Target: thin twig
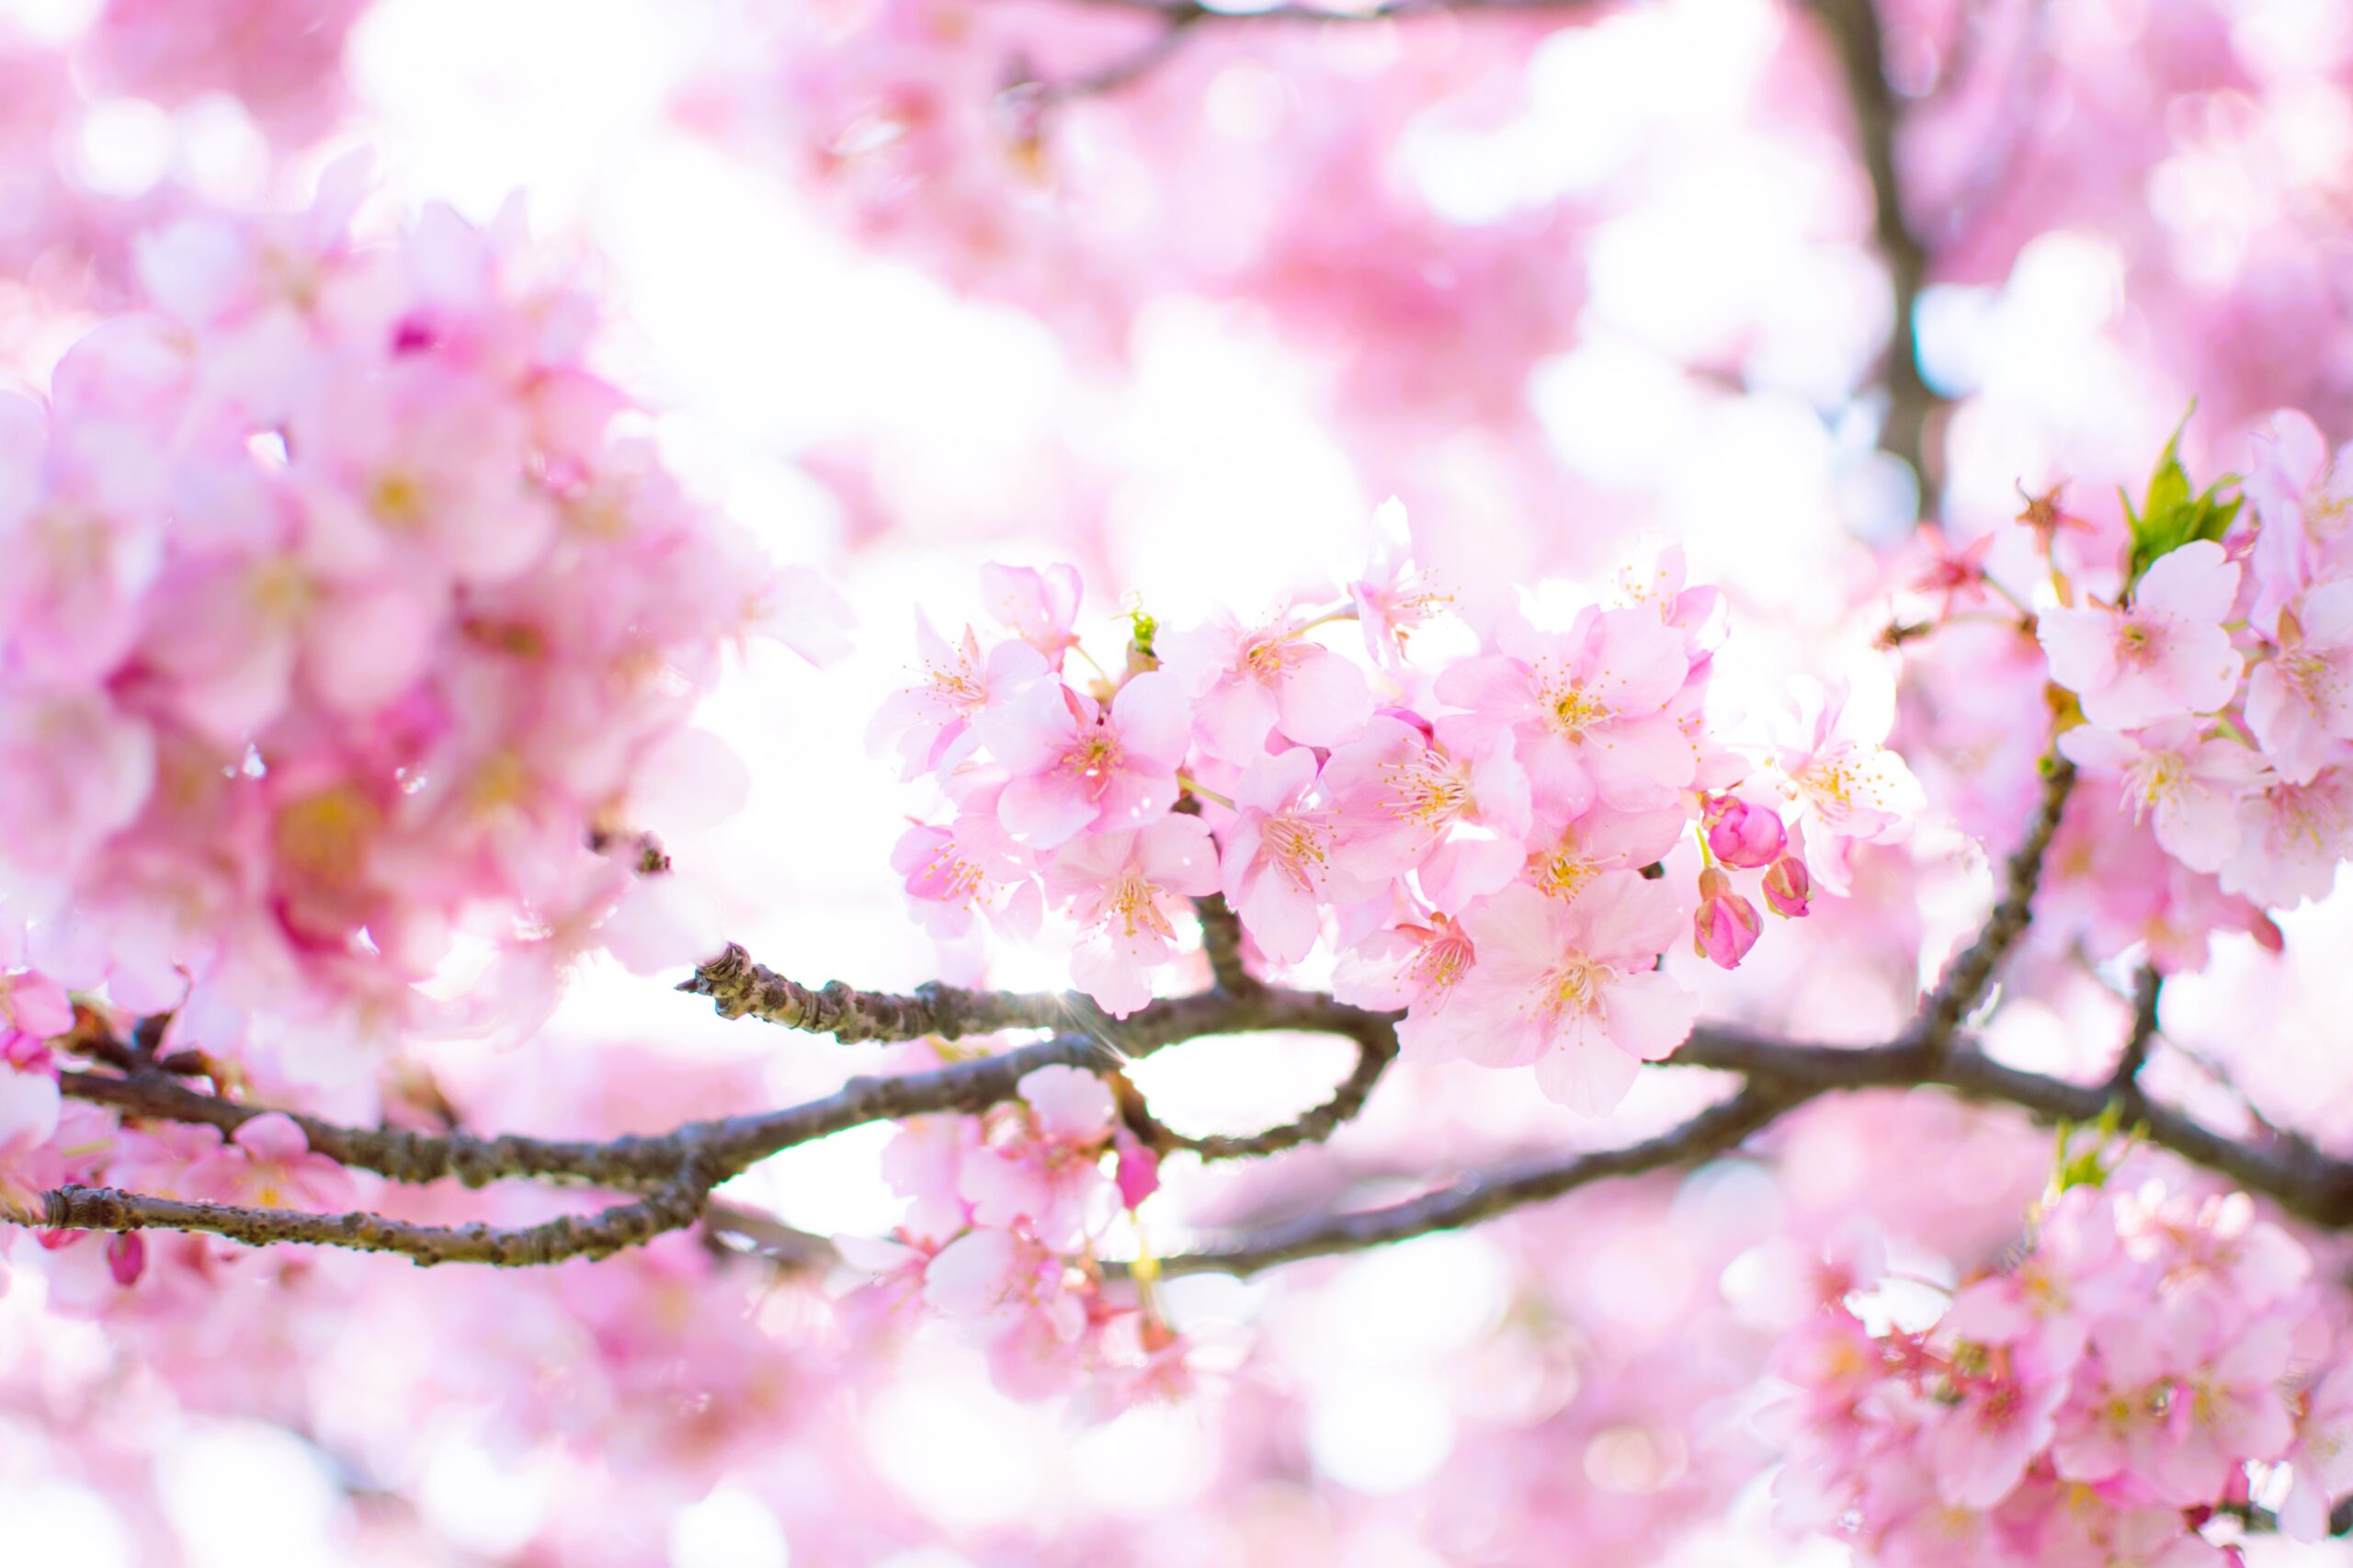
(2147, 984)
(1965, 979)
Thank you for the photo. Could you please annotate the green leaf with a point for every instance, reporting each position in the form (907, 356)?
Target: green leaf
(2174, 513)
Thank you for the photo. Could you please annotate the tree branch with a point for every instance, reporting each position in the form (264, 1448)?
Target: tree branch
(1855, 32)
(672, 1206)
(2124, 1083)
(681, 1167)
(1376, 1049)
(1221, 940)
(1965, 979)
(1719, 1127)
(740, 988)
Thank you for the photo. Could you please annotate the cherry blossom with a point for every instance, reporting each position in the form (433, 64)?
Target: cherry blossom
(1258, 678)
(1127, 892)
(1588, 707)
(1076, 766)
(2190, 783)
(1051, 1176)
(2300, 701)
(929, 725)
(1571, 988)
(2167, 655)
(1277, 870)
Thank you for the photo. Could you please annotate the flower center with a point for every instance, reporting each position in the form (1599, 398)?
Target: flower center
(1296, 846)
(1573, 711)
(1130, 901)
(1574, 987)
(1564, 872)
(2313, 677)
(2154, 780)
(1095, 759)
(957, 686)
(1429, 789)
(1267, 656)
(2136, 646)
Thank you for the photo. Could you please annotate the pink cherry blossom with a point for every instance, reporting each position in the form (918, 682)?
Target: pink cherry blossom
(1571, 988)
(1050, 1176)
(2291, 839)
(1563, 862)
(2163, 656)
(1394, 597)
(1277, 869)
(2300, 701)
(1077, 767)
(267, 1163)
(1004, 1283)
(36, 1007)
(2321, 1457)
(929, 725)
(924, 1162)
(2007, 1412)
(1037, 607)
(1588, 707)
(28, 1120)
(1416, 966)
(1840, 779)
(969, 865)
(1258, 679)
(2299, 491)
(2188, 783)
(1400, 796)
(1127, 893)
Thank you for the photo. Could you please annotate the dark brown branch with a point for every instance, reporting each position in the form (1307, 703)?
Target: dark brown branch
(638, 1161)
(672, 1206)
(394, 1152)
(2289, 1170)
(1044, 94)
(1714, 1130)
(2147, 985)
(1965, 979)
(1221, 941)
(1376, 1049)
(741, 988)
(1913, 406)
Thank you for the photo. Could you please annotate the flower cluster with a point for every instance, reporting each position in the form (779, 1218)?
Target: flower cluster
(2217, 691)
(345, 616)
(2095, 1403)
(1004, 1213)
(1500, 845)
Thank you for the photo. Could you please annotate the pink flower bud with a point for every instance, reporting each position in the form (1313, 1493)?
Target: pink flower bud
(1727, 924)
(1744, 835)
(127, 1258)
(1138, 1171)
(1789, 887)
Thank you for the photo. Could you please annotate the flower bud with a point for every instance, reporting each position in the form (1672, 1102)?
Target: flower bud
(1138, 1170)
(1789, 887)
(1727, 924)
(1744, 835)
(126, 1258)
